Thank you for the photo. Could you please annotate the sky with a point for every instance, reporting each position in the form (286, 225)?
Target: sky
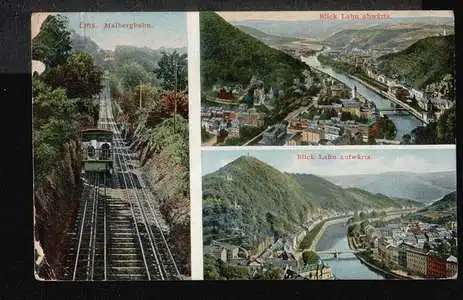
(315, 15)
(168, 29)
(409, 159)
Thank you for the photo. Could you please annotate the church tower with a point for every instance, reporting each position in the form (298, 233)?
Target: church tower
(354, 92)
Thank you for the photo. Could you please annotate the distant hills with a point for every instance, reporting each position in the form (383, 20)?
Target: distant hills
(231, 56)
(439, 212)
(424, 62)
(273, 40)
(129, 64)
(381, 37)
(86, 44)
(447, 203)
(423, 187)
(251, 199)
(323, 29)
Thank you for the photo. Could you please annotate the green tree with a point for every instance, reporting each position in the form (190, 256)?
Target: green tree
(210, 271)
(406, 139)
(272, 274)
(310, 257)
(78, 76)
(52, 45)
(172, 70)
(49, 102)
(423, 135)
(446, 126)
(131, 74)
(386, 128)
(444, 249)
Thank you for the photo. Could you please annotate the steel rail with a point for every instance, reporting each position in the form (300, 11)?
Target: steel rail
(146, 218)
(104, 226)
(94, 225)
(80, 240)
(143, 217)
(135, 222)
(147, 197)
(142, 209)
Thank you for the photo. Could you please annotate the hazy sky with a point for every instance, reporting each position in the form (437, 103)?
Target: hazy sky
(168, 30)
(315, 15)
(390, 160)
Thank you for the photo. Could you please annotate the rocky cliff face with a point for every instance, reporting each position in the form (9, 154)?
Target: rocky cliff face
(55, 206)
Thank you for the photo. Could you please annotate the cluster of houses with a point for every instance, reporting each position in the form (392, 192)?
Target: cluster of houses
(224, 123)
(270, 254)
(312, 132)
(237, 93)
(412, 247)
(397, 88)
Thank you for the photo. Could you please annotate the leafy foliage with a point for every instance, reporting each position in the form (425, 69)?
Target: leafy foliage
(228, 55)
(448, 202)
(54, 125)
(79, 76)
(173, 71)
(386, 128)
(424, 62)
(310, 257)
(52, 45)
(441, 132)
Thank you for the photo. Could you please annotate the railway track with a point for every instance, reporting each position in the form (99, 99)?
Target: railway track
(117, 238)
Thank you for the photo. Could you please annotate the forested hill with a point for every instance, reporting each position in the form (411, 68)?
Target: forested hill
(448, 202)
(85, 44)
(250, 198)
(424, 62)
(228, 55)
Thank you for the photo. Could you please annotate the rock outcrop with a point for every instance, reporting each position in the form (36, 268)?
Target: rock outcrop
(55, 206)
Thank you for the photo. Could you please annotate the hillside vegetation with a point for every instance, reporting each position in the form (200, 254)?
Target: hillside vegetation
(440, 212)
(384, 36)
(230, 56)
(424, 62)
(269, 202)
(266, 38)
(448, 202)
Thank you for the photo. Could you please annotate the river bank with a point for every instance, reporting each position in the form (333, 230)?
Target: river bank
(404, 123)
(388, 274)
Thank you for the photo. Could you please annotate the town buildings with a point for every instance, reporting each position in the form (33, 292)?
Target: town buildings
(412, 247)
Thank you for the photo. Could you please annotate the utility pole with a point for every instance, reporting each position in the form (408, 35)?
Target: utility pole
(141, 85)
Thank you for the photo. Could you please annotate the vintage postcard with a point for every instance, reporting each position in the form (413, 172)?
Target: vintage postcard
(111, 146)
(324, 212)
(327, 78)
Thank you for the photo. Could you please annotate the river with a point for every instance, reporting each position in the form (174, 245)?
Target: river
(348, 266)
(404, 123)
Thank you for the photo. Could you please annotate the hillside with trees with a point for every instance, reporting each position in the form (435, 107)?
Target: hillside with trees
(231, 56)
(439, 212)
(250, 199)
(65, 100)
(448, 202)
(384, 36)
(63, 103)
(427, 61)
(441, 132)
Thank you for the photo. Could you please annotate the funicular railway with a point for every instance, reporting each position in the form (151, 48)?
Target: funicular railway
(117, 235)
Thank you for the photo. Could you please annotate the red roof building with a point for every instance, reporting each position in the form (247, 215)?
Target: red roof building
(436, 265)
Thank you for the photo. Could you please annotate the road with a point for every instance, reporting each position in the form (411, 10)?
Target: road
(297, 112)
(407, 107)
